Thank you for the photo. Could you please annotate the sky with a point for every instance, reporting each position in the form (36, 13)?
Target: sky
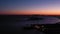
(44, 7)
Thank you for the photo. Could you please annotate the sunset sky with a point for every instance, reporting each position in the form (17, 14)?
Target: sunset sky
(45, 7)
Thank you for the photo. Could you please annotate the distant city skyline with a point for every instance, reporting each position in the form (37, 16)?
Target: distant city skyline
(44, 7)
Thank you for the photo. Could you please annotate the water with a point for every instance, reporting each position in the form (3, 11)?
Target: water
(15, 23)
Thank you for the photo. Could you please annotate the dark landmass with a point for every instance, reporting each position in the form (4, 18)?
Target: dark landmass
(7, 24)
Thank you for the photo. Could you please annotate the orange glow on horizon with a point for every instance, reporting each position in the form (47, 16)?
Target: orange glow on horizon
(30, 12)
(33, 12)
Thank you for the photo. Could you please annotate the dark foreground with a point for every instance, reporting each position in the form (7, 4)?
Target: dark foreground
(24, 24)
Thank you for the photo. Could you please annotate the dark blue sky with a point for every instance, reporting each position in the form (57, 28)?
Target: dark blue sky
(17, 5)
